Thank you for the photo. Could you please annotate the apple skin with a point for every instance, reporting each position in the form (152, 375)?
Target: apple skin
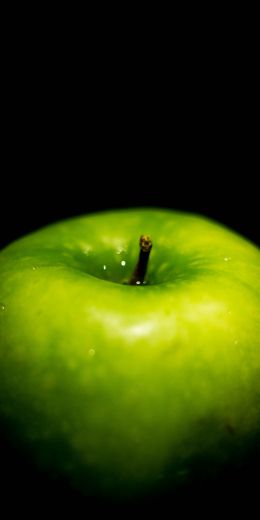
(125, 390)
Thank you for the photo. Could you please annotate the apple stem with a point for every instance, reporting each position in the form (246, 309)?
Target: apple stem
(141, 266)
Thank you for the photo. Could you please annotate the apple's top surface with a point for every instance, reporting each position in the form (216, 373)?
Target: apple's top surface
(105, 246)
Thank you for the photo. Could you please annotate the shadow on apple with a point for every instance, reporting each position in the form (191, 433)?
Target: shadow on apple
(232, 487)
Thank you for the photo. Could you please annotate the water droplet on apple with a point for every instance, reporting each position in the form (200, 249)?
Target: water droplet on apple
(91, 352)
(123, 263)
(227, 258)
(2, 307)
(86, 250)
(120, 250)
(34, 268)
(104, 267)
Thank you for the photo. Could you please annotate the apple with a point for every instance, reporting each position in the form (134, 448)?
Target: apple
(127, 387)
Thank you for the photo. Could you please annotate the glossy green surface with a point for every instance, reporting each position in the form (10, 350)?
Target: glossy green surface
(124, 389)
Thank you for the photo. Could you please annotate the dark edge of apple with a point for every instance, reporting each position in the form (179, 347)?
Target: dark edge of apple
(138, 276)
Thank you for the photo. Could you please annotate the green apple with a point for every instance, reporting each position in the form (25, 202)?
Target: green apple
(129, 389)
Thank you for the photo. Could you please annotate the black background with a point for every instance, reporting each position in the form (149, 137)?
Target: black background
(112, 127)
(165, 121)
(45, 195)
